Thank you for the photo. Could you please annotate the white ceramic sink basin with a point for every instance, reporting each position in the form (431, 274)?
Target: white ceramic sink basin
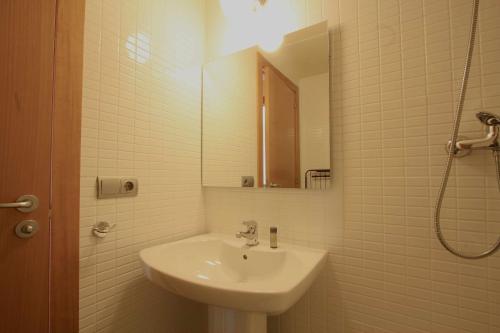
(221, 270)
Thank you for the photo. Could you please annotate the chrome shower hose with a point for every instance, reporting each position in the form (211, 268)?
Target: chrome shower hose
(451, 155)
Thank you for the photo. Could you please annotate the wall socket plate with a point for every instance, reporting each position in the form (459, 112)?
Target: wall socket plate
(247, 181)
(115, 187)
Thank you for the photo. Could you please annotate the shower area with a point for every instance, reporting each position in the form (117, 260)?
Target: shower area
(461, 148)
(427, 74)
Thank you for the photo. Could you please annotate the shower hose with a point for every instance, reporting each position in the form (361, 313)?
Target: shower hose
(451, 154)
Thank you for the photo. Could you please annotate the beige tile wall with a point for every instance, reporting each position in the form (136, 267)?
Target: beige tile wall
(141, 117)
(397, 65)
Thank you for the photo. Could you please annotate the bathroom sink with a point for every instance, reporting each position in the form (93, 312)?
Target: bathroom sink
(223, 271)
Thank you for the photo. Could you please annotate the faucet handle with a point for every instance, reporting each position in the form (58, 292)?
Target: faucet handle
(487, 118)
(251, 226)
(251, 234)
(250, 223)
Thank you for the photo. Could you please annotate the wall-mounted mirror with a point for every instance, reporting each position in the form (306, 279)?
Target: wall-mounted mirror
(266, 119)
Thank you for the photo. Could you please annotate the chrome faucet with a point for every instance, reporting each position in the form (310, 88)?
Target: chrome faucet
(465, 146)
(251, 234)
(491, 121)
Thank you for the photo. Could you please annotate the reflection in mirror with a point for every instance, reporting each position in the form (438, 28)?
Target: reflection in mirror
(266, 115)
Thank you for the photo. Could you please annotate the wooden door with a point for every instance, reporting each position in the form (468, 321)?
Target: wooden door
(27, 30)
(282, 129)
(35, 118)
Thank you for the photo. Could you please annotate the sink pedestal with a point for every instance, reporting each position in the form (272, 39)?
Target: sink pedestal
(221, 320)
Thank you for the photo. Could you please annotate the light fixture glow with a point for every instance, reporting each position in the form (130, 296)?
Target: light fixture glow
(255, 22)
(238, 8)
(271, 42)
(138, 47)
(270, 23)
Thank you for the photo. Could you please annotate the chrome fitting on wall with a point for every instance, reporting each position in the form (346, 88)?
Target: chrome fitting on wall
(101, 229)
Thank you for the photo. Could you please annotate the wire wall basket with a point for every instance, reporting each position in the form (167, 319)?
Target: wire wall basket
(317, 179)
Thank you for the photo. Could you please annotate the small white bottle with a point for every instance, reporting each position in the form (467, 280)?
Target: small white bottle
(273, 237)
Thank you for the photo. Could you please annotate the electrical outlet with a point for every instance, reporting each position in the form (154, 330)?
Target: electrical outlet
(114, 187)
(247, 181)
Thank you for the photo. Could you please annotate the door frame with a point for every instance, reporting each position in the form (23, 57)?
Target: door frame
(65, 170)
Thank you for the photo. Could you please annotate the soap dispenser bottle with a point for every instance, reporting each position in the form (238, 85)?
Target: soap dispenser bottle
(273, 237)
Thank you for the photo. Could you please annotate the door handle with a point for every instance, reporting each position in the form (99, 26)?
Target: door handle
(25, 203)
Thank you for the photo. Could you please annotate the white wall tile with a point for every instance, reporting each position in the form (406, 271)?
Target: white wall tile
(141, 117)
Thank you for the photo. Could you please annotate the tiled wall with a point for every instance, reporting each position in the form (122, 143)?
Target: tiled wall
(397, 66)
(141, 117)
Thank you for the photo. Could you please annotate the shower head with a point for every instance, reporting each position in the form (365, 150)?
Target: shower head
(488, 118)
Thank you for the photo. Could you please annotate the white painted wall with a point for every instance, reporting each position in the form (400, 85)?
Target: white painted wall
(230, 119)
(314, 123)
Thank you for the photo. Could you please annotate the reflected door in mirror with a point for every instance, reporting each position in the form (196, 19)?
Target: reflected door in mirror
(281, 137)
